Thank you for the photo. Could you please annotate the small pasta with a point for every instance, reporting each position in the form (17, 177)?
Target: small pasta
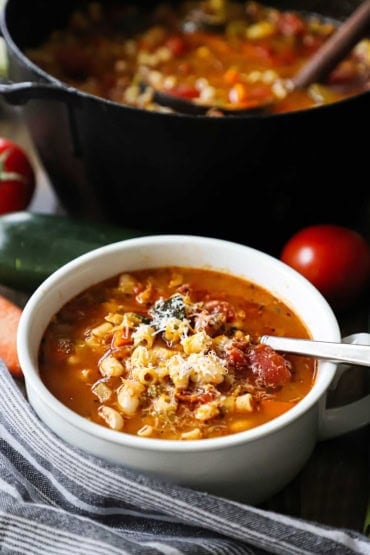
(145, 375)
(164, 405)
(192, 434)
(207, 368)
(112, 417)
(102, 329)
(207, 411)
(176, 330)
(110, 366)
(130, 320)
(128, 396)
(127, 283)
(198, 343)
(145, 431)
(144, 335)
(179, 371)
(114, 318)
(140, 358)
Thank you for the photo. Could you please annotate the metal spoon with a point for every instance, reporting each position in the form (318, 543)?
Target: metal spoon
(337, 352)
(319, 66)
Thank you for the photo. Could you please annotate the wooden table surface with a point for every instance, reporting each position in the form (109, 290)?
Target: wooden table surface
(334, 486)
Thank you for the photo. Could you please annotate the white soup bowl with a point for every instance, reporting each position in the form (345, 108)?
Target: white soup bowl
(251, 465)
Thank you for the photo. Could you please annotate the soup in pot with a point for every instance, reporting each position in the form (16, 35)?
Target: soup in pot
(232, 55)
(174, 353)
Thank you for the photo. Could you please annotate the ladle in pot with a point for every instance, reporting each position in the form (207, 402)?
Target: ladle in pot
(337, 352)
(318, 67)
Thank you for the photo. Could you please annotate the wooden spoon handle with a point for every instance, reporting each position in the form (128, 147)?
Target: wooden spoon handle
(335, 48)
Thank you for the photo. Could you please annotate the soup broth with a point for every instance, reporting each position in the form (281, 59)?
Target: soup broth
(174, 353)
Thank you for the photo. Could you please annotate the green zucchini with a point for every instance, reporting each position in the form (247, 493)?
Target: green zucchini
(34, 245)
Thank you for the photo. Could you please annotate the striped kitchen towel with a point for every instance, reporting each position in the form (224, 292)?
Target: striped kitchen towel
(56, 500)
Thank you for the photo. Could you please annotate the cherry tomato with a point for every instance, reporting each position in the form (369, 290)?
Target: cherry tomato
(17, 177)
(334, 258)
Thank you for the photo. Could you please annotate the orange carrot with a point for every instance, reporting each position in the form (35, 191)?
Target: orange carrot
(9, 318)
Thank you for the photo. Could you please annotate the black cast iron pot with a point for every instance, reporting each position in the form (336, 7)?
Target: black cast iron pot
(255, 179)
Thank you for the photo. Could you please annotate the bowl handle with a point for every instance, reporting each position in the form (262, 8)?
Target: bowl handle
(352, 416)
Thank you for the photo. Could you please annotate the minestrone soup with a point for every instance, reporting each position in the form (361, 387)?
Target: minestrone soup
(211, 52)
(174, 353)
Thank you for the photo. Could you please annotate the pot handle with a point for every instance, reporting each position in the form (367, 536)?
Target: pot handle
(20, 93)
(352, 416)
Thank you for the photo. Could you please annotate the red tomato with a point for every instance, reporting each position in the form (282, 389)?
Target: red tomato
(17, 177)
(334, 258)
(291, 25)
(177, 45)
(270, 369)
(184, 91)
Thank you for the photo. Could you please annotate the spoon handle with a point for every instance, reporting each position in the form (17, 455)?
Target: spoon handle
(334, 49)
(339, 352)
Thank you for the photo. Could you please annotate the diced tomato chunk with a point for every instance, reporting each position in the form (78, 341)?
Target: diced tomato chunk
(237, 358)
(121, 338)
(270, 369)
(343, 73)
(260, 92)
(312, 42)
(260, 52)
(221, 307)
(290, 24)
(183, 91)
(176, 45)
(195, 396)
